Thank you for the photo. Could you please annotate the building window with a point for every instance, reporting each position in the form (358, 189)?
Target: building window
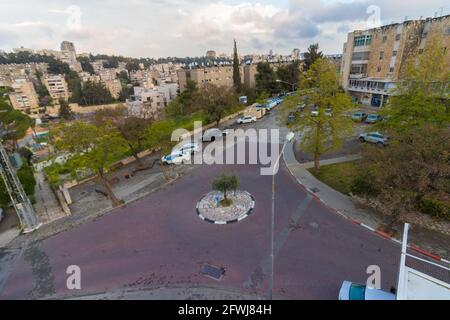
(362, 41)
(384, 39)
(391, 69)
(394, 53)
(378, 69)
(397, 37)
(381, 55)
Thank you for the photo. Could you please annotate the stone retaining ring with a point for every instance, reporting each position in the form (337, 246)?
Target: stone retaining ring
(208, 208)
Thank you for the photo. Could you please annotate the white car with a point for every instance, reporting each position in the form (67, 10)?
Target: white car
(354, 291)
(190, 148)
(213, 134)
(176, 157)
(246, 119)
(315, 112)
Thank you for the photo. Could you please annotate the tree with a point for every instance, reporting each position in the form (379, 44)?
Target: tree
(322, 133)
(236, 71)
(95, 93)
(14, 123)
(93, 147)
(216, 101)
(266, 79)
(65, 112)
(132, 129)
(26, 178)
(74, 84)
(86, 65)
(158, 136)
(312, 55)
(225, 183)
(289, 75)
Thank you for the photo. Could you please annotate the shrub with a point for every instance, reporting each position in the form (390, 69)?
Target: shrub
(434, 208)
(362, 186)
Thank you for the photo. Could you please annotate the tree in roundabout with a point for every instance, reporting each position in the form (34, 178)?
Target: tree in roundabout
(225, 183)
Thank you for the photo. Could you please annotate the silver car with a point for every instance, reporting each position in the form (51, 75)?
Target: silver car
(374, 137)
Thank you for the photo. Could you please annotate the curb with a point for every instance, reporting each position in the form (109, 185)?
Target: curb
(377, 230)
(242, 217)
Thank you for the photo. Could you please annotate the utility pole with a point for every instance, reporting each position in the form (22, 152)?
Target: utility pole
(21, 203)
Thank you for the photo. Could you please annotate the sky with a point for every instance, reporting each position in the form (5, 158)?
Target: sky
(161, 28)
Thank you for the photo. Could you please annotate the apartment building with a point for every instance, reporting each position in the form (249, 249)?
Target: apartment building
(10, 72)
(69, 56)
(57, 87)
(221, 76)
(24, 98)
(114, 86)
(149, 103)
(375, 60)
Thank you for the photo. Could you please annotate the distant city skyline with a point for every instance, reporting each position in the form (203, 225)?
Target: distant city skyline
(162, 28)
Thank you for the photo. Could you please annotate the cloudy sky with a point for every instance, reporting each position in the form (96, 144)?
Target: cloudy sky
(155, 28)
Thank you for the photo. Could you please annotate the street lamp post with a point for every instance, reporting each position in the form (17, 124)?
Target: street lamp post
(291, 84)
(289, 138)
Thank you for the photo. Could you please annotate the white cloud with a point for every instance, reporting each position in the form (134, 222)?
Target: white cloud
(181, 27)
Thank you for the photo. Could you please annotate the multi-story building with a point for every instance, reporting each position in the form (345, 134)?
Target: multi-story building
(69, 56)
(375, 60)
(11, 72)
(114, 86)
(149, 103)
(57, 87)
(24, 97)
(211, 54)
(221, 76)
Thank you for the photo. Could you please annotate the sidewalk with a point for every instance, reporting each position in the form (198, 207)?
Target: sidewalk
(47, 206)
(348, 208)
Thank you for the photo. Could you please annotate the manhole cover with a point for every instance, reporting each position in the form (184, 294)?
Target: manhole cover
(213, 272)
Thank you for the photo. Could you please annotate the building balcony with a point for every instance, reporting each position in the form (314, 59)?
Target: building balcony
(357, 75)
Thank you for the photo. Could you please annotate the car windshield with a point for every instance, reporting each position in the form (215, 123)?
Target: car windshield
(357, 292)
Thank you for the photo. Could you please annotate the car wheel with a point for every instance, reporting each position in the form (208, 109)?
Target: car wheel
(381, 144)
(362, 139)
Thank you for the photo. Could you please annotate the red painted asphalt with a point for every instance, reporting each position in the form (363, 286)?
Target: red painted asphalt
(160, 241)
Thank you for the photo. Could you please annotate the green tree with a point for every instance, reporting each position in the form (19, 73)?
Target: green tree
(289, 75)
(93, 147)
(26, 178)
(266, 79)
(225, 183)
(216, 101)
(322, 133)
(75, 87)
(86, 65)
(14, 123)
(312, 55)
(132, 129)
(236, 71)
(65, 112)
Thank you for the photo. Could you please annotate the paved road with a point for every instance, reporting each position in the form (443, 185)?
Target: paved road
(159, 241)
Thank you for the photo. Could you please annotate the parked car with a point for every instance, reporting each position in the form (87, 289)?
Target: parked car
(374, 137)
(315, 112)
(291, 118)
(270, 104)
(176, 157)
(329, 112)
(353, 291)
(190, 148)
(359, 116)
(213, 134)
(373, 118)
(246, 119)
